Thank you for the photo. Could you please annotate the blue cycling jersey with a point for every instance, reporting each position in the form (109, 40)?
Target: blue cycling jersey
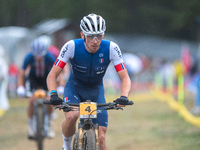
(89, 68)
(39, 68)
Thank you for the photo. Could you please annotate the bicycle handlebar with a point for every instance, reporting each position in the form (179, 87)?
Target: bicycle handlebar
(98, 105)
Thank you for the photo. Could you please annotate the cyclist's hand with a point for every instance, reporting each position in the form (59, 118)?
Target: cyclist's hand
(21, 91)
(55, 99)
(123, 100)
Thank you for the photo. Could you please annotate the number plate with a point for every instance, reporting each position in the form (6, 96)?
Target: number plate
(88, 110)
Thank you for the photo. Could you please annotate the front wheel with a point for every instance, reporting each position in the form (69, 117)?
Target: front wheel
(40, 125)
(75, 142)
(90, 140)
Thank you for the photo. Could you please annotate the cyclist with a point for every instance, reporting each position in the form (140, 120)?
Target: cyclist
(89, 58)
(36, 67)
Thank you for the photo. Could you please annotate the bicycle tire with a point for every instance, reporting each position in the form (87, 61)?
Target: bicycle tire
(75, 141)
(89, 140)
(40, 125)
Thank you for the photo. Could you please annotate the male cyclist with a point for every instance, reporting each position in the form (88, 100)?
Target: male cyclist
(89, 58)
(37, 64)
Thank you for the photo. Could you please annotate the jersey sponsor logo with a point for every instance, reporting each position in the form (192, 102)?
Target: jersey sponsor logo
(64, 51)
(99, 72)
(118, 52)
(101, 55)
(59, 63)
(101, 60)
(100, 68)
(120, 67)
(99, 111)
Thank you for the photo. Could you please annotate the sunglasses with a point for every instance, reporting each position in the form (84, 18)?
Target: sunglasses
(92, 37)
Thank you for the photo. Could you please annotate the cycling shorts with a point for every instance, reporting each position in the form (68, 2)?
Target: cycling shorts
(37, 82)
(75, 93)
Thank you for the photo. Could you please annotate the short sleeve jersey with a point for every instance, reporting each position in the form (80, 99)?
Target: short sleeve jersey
(39, 68)
(88, 69)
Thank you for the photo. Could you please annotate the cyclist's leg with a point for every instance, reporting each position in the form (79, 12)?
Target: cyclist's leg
(102, 137)
(69, 123)
(30, 108)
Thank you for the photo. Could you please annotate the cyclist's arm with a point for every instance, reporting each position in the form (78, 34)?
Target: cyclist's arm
(116, 58)
(125, 82)
(52, 78)
(67, 51)
(20, 79)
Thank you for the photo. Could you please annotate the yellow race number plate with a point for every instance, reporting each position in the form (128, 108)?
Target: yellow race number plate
(88, 110)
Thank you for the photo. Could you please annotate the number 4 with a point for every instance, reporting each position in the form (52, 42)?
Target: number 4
(88, 109)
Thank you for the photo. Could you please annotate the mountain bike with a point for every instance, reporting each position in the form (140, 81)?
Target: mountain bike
(87, 136)
(40, 118)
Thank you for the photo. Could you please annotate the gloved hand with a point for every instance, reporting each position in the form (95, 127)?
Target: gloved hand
(21, 91)
(60, 90)
(55, 99)
(123, 100)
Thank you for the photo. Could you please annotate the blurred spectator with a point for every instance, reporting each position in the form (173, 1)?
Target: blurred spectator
(195, 70)
(186, 59)
(4, 104)
(12, 80)
(133, 64)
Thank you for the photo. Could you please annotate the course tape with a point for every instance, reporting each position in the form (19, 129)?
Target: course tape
(174, 104)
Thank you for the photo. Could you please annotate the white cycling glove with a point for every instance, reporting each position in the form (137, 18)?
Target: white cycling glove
(60, 90)
(21, 91)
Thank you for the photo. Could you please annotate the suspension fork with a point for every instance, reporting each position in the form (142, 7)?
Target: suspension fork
(96, 130)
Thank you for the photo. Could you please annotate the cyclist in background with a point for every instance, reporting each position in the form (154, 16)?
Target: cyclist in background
(36, 67)
(89, 58)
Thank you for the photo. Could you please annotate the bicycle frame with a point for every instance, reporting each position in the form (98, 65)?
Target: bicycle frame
(40, 118)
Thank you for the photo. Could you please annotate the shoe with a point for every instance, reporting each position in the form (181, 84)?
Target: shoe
(195, 110)
(31, 134)
(50, 133)
(54, 115)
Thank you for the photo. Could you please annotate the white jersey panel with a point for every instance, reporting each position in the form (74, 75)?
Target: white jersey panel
(67, 51)
(115, 54)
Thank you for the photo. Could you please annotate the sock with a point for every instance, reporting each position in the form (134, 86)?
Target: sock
(30, 122)
(67, 142)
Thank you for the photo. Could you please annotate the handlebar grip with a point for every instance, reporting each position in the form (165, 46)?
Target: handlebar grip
(130, 103)
(47, 102)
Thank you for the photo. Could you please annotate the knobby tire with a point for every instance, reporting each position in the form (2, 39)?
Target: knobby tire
(75, 141)
(89, 141)
(40, 125)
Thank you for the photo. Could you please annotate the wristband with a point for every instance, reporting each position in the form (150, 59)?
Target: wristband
(53, 91)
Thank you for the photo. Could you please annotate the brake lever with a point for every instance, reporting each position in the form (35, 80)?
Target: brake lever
(64, 105)
(117, 108)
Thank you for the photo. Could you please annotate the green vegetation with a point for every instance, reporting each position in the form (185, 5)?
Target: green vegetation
(165, 18)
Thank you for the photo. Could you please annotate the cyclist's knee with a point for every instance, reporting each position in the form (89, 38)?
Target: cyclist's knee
(71, 116)
(102, 138)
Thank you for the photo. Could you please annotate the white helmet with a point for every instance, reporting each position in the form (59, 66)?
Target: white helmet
(39, 46)
(93, 24)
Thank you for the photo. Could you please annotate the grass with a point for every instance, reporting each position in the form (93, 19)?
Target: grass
(147, 125)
